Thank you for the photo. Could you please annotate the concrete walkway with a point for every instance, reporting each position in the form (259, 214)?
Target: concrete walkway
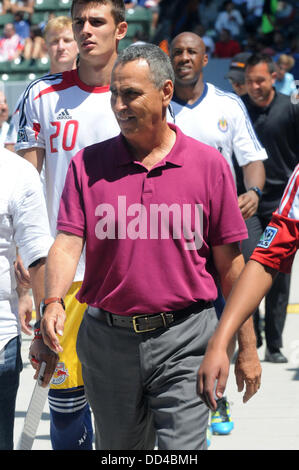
(270, 420)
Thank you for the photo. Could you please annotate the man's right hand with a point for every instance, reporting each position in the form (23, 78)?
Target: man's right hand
(52, 324)
(212, 376)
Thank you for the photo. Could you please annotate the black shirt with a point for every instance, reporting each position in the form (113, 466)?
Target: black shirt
(277, 128)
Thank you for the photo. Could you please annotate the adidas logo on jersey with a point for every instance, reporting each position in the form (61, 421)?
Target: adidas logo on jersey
(64, 115)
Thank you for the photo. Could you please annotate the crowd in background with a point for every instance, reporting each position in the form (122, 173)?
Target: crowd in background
(20, 38)
(227, 28)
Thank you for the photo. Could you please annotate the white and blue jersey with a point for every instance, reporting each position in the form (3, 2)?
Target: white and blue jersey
(220, 119)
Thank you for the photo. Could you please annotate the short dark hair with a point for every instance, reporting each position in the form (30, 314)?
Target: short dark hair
(261, 58)
(118, 9)
(158, 62)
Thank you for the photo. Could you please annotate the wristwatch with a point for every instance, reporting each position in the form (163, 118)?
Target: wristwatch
(45, 302)
(257, 190)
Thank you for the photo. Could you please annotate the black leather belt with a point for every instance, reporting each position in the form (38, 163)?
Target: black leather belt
(145, 323)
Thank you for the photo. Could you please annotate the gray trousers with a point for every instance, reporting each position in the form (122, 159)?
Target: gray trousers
(142, 386)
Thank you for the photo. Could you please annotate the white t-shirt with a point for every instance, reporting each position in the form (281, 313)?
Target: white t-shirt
(62, 115)
(23, 224)
(220, 119)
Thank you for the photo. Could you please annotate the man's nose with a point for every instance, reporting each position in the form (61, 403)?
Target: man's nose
(185, 56)
(86, 27)
(119, 103)
(60, 44)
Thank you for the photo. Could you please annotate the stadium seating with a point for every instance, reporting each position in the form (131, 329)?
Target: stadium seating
(17, 66)
(64, 4)
(139, 19)
(124, 43)
(23, 70)
(19, 77)
(5, 67)
(6, 18)
(45, 5)
(39, 17)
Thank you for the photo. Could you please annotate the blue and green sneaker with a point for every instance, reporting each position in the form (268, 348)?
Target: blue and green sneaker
(221, 422)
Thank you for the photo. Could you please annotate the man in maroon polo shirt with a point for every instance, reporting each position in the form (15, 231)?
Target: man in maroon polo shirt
(158, 214)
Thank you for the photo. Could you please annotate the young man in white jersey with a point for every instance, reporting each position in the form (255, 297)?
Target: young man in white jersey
(274, 253)
(219, 119)
(63, 52)
(59, 115)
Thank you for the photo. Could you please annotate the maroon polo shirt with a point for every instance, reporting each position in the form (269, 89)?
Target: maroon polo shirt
(149, 234)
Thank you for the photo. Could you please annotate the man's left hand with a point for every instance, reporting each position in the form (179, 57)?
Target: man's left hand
(248, 372)
(22, 274)
(248, 204)
(38, 353)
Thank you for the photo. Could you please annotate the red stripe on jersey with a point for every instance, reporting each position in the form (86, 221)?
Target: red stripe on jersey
(36, 128)
(288, 197)
(70, 79)
(285, 193)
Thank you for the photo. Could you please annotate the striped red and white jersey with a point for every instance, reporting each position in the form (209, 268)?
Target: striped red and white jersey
(280, 240)
(289, 204)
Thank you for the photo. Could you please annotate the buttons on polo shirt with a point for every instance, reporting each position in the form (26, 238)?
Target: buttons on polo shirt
(148, 188)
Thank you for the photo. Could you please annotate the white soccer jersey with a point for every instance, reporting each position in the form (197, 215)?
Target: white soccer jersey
(62, 115)
(220, 119)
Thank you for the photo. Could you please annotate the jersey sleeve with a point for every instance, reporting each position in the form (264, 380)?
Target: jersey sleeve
(246, 145)
(279, 242)
(30, 131)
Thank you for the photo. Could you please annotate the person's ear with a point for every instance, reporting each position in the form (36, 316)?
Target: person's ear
(121, 30)
(167, 91)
